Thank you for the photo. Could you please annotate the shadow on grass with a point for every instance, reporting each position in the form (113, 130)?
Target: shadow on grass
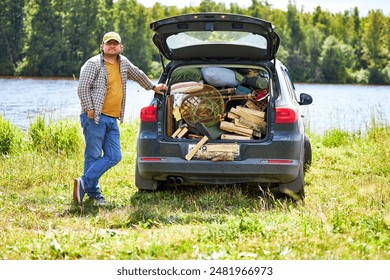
(196, 205)
(184, 205)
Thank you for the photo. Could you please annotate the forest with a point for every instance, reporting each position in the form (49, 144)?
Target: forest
(53, 38)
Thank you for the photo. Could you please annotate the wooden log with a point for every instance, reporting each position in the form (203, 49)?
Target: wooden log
(215, 156)
(249, 117)
(228, 126)
(251, 111)
(224, 157)
(177, 132)
(256, 133)
(257, 130)
(252, 125)
(226, 148)
(182, 132)
(235, 137)
(237, 123)
(191, 153)
(251, 105)
(232, 116)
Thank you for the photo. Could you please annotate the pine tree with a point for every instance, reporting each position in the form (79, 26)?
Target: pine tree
(11, 35)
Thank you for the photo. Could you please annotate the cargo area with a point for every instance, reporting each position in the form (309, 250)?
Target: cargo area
(221, 103)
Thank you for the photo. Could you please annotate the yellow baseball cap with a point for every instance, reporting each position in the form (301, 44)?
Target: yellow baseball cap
(111, 36)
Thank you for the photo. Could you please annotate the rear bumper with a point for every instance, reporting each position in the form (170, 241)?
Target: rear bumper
(254, 170)
(259, 162)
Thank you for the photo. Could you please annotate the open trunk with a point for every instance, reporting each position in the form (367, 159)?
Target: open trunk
(217, 104)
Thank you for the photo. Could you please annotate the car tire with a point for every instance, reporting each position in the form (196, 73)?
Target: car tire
(144, 184)
(308, 153)
(294, 189)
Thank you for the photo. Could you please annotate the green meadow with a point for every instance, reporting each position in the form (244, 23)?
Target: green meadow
(345, 215)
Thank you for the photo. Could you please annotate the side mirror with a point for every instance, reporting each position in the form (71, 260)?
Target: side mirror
(305, 99)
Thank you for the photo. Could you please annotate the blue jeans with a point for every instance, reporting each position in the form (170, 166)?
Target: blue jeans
(102, 150)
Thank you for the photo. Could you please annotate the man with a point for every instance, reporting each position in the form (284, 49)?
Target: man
(102, 94)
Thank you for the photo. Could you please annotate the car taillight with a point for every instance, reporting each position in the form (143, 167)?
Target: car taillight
(151, 159)
(285, 115)
(148, 114)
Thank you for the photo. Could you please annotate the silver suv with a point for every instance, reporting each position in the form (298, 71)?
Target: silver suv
(230, 116)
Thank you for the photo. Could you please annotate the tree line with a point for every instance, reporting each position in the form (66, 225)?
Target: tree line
(55, 37)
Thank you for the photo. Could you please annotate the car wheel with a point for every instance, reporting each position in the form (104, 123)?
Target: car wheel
(308, 153)
(294, 189)
(144, 184)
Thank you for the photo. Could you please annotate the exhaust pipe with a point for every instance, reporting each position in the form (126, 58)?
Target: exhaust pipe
(179, 180)
(171, 180)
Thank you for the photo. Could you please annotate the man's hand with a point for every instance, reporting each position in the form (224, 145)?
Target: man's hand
(91, 114)
(160, 88)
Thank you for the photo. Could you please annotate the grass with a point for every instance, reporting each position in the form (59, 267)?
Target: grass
(346, 214)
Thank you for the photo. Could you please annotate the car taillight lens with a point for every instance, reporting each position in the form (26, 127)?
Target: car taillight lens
(151, 159)
(285, 115)
(148, 114)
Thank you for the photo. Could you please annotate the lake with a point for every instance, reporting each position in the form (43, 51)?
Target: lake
(347, 107)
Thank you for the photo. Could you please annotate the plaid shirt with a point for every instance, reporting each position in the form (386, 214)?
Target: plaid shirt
(93, 83)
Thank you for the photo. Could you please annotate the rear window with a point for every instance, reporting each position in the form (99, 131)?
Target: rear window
(196, 38)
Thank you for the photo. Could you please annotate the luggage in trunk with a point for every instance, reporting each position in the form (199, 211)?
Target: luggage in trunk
(231, 111)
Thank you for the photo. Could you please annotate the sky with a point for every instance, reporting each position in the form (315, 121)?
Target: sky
(332, 6)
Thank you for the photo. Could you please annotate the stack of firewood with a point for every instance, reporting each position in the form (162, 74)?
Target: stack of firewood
(244, 123)
(213, 152)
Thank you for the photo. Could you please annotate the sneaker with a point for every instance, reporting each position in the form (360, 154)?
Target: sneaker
(100, 201)
(78, 190)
